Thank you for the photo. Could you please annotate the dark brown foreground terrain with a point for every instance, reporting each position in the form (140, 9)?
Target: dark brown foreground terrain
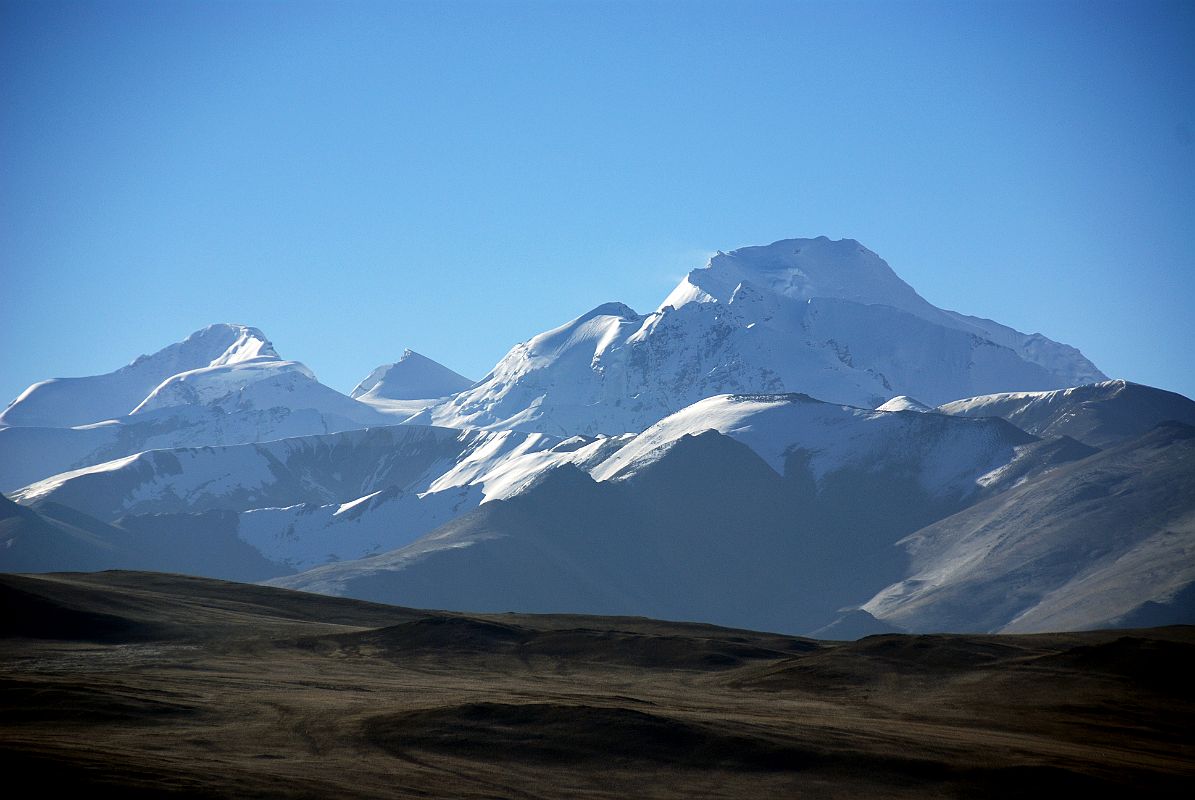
(166, 684)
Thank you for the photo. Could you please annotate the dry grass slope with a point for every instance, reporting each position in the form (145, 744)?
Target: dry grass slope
(168, 685)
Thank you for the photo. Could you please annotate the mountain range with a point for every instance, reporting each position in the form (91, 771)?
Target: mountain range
(794, 440)
(826, 318)
(222, 385)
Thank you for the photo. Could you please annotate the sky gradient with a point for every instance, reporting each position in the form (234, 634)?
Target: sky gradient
(357, 178)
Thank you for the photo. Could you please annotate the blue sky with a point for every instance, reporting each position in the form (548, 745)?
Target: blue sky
(356, 178)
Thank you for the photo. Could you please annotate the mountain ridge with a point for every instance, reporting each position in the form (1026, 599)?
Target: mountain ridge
(67, 402)
(785, 317)
(223, 384)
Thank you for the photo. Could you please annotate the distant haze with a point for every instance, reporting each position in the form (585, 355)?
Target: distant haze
(358, 178)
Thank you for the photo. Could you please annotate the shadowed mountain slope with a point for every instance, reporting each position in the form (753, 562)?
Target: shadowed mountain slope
(1080, 546)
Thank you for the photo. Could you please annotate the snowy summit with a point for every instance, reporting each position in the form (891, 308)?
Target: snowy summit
(827, 318)
(412, 377)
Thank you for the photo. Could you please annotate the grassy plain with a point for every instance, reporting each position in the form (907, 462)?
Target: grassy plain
(163, 684)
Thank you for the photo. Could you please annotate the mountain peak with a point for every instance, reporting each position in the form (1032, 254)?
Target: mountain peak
(65, 402)
(825, 317)
(612, 309)
(412, 377)
(904, 403)
(801, 269)
(225, 342)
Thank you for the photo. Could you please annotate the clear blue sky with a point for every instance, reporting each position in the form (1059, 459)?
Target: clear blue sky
(356, 178)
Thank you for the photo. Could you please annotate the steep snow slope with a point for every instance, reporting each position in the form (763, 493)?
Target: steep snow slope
(1080, 546)
(565, 367)
(66, 402)
(245, 393)
(1099, 414)
(829, 319)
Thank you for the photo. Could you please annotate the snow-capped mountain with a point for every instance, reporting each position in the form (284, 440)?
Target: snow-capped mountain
(67, 402)
(1099, 414)
(409, 385)
(903, 403)
(675, 464)
(826, 318)
(412, 377)
(228, 386)
(808, 269)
